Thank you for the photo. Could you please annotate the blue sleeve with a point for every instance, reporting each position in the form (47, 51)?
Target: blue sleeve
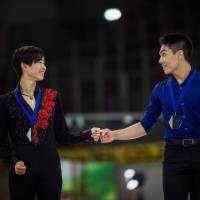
(153, 110)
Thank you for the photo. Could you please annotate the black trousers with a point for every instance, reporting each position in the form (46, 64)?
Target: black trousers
(43, 176)
(181, 172)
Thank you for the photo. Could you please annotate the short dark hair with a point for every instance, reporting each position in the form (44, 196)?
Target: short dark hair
(178, 41)
(27, 55)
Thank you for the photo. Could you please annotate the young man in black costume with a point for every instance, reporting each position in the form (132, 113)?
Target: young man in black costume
(34, 119)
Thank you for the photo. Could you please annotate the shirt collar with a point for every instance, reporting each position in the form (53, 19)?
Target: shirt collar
(175, 82)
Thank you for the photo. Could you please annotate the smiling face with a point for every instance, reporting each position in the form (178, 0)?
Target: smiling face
(35, 71)
(169, 60)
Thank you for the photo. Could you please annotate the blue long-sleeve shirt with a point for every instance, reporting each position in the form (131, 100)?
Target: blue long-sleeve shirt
(189, 109)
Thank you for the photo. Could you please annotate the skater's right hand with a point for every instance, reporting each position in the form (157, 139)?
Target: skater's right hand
(20, 168)
(96, 133)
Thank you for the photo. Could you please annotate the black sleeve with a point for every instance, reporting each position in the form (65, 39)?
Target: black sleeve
(5, 151)
(62, 133)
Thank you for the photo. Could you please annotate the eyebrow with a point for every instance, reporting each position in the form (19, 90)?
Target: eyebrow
(163, 50)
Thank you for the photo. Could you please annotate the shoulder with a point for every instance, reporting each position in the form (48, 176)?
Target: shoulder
(49, 91)
(49, 94)
(164, 83)
(196, 80)
(161, 84)
(160, 88)
(6, 100)
(6, 97)
(198, 76)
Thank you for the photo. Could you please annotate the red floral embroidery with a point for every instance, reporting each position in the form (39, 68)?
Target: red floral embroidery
(49, 94)
(42, 123)
(44, 114)
(49, 105)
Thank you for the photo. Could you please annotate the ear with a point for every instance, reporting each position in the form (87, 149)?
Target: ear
(24, 66)
(181, 54)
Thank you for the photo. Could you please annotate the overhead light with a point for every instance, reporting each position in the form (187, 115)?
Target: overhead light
(133, 179)
(129, 173)
(132, 184)
(112, 14)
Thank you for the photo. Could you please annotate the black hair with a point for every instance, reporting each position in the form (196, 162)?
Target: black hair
(27, 55)
(178, 41)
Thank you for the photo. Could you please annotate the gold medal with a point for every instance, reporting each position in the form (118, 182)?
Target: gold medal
(175, 121)
(171, 122)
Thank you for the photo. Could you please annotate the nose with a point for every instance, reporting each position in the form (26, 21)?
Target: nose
(44, 67)
(160, 60)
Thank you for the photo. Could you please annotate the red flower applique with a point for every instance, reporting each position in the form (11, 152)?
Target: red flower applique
(49, 105)
(44, 114)
(49, 94)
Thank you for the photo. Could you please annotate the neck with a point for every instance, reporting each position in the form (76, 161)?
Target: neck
(27, 86)
(182, 72)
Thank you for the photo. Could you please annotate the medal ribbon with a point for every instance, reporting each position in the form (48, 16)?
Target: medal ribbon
(31, 117)
(175, 104)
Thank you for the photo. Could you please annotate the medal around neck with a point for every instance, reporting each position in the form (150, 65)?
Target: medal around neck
(29, 134)
(175, 121)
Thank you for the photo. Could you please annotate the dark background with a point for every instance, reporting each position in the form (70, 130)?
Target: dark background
(98, 66)
(105, 71)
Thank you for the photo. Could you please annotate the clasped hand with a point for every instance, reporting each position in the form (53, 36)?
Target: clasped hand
(102, 135)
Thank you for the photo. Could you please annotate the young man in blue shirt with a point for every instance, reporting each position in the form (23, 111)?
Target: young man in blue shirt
(178, 98)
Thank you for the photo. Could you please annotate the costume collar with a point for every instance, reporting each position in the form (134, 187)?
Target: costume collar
(30, 116)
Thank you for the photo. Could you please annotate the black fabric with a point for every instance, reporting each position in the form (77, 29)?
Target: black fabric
(181, 172)
(43, 176)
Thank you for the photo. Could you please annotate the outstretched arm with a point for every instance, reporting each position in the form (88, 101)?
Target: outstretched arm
(139, 129)
(131, 132)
